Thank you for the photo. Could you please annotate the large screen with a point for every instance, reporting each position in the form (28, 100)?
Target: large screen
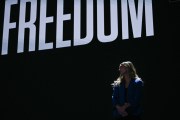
(58, 58)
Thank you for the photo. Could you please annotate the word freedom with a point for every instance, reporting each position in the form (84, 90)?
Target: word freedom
(128, 11)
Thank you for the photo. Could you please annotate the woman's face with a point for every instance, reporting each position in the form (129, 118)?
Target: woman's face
(122, 69)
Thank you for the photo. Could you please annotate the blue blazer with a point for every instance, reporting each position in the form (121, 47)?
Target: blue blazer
(134, 97)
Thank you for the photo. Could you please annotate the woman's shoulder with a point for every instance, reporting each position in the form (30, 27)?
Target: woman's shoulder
(138, 81)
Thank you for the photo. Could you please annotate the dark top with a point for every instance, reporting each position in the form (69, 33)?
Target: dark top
(125, 94)
(131, 95)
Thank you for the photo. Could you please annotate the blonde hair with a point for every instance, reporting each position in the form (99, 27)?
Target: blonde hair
(131, 72)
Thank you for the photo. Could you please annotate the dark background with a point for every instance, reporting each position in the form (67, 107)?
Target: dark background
(75, 82)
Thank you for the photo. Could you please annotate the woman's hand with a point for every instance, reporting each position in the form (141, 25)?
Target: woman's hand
(124, 114)
(121, 110)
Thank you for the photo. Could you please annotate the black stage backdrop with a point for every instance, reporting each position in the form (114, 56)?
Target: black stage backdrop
(74, 82)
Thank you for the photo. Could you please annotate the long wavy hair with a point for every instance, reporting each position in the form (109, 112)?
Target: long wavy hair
(131, 71)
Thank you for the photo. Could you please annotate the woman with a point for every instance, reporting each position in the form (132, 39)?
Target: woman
(127, 93)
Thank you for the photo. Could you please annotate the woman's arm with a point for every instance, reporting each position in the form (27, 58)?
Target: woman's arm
(115, 96)
(138, 93)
